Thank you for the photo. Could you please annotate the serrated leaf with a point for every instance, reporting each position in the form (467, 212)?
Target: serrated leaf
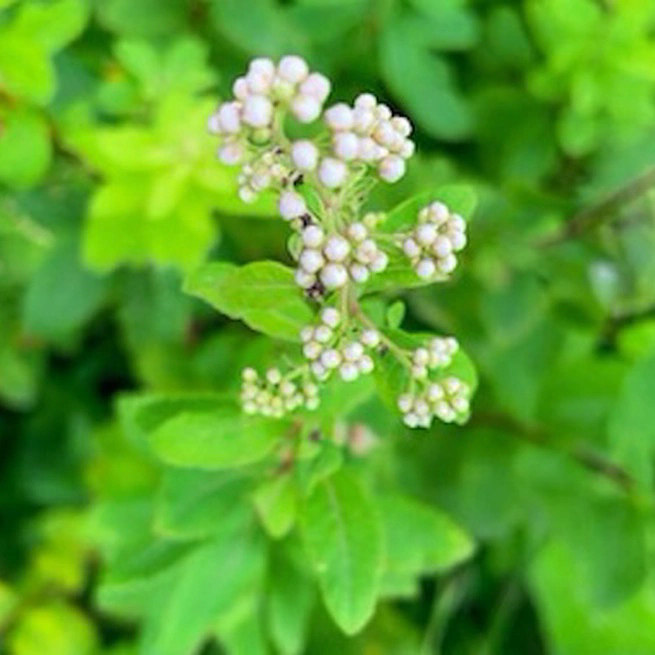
(343, 537)
(263, 294)
(218, 439)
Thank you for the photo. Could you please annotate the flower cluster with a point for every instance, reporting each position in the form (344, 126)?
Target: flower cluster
(432, 245)
(329, 347)
(368, 133)
(332, 260)
(445, 400)
(321, 179)
(274, 395)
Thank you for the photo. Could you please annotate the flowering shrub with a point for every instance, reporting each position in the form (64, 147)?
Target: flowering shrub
(322, 182)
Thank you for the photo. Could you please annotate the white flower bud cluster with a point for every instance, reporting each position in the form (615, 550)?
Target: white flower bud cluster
(261, 174)
(434, 241)
(332, 260)
(329, 350)
(258, 94)
(445, 400)
(274, 395)
(438, 353)
(368, 133)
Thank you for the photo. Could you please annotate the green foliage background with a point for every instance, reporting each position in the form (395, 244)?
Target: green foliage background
(142, 514)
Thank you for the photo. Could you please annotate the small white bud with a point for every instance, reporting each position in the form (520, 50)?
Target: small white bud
(247, 195)
(313, 236)
(366, 101)
(357, 231)
(229, 119)
(365, 364)
(380, 262)
(262, 65)
(383, 112)
(392, 168)
(311, 260)
(348, 371)
(369, 150)
(353, 351)
(447, 264)
(287, 388)
(257, 111)
(426, 269)
(317, 86)
(304, 279)
(312, 350)
(458, 241)
(359, 273)
(304, 155)
(249, 374)
(407, 150)
(231, 153)
(331, 317)
(339, 117)
(460, 404)
(421, 356)
(307, 333)
(291, 205)
(370, 338)
(332, 172)
(438, 212)
(363, 121)
(258, 83)
(334, 276)
(312, 403)
(240, 88)
(323, 334)
(331, 358)
(419, 372)
(345, 145)
(384, 134)
(457, 223)
(337, 248)
(293, 69)
(273, 375)
(421, 407)
(401, 125)
(426, 234)
(319, 370)
(306, 108)
(367, 251)
(442, 246)
(405, 402)
(411, 248)
(411, 420)
(435, 392)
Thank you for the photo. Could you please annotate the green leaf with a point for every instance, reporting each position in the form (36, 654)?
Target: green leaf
(423, 82)
(343, 538)
(289, 601)
(276, 502)
(218, 439)
(25, 149)
(52, 25)
(62, 296)
(143, 18)
(208, 583)
(195, 504)
(420, 539)
(631, 428)
(263, 294)
(396, 314)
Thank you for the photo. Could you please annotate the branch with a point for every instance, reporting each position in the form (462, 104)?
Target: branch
(593, 216)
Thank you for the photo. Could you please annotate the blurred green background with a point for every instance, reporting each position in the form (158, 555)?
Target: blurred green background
(110, 192)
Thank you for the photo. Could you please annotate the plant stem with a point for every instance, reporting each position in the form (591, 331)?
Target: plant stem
(593, 216)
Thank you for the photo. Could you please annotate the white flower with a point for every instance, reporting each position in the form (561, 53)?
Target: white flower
(304, 155)
(426, 234)
(231, 153)
(317, 86)
(229, 118)
(426, 268)
(332, 172)
(311, 260)
(334, 276)
(357, 231)
(262, 65)
(359, 273)
(257, 111)
(313, 236)
(392, 168)
(291, 205)
(337, 248)
(323, 334)
(331, 317)
(293, 69)
(411, 248)
(345, 145)
(339, 117)
(353, 351)
(348, 371)
(306, 108)
(331, 358)
(312, 350)
(371, 338)
(366, 101)
(304, 279)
